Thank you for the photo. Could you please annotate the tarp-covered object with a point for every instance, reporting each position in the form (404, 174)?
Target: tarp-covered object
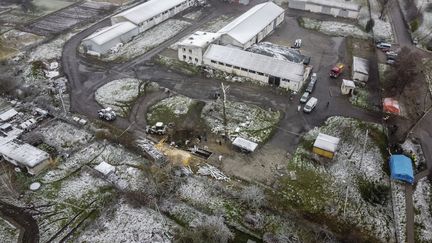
(401, 168)
(391, 105)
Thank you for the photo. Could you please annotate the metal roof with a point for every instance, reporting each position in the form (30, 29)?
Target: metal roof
(256, 62)
(104, 168)
(360, 65)
(147, 10)
(401, 168)
(326, 142)
(348, 83)
(334, 4)
(252, 22)
(111, 32)
(245, 144)
(23, 153)
(8, 114)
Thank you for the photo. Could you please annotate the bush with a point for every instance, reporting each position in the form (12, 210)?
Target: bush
(211, 230)
(369, 25)
(372, 192)
(414, 25)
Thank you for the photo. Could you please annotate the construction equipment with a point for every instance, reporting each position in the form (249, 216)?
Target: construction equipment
(337, 70)
(108, 114)
(159, 128)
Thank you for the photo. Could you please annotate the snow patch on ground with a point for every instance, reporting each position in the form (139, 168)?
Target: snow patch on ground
(78, 186)
(199, 192)
(128, 224)
(245, 120)
(423, 210)
(19, 39)
(193, 15)
(8, 232)
(148, 40)
(64, 136)
(333, 28)
(382, 28)
(169, 109)
(119, 94)
(399, 207)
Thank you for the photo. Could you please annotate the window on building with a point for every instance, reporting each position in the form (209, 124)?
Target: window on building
(235, 67)
(262, 74)
(221, 63)
(243, 69)
(228, 65)
(184, 57)
(196, 59)
(190, 51)
(184, 49)
(212, 61)
(252, 71)
(190, 58)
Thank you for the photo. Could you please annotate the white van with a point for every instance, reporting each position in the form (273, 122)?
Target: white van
(383, 45)
(310, 105)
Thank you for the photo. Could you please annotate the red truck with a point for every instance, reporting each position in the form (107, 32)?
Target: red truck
(337, 70)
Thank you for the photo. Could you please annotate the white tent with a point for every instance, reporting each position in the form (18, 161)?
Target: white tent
(245, 144)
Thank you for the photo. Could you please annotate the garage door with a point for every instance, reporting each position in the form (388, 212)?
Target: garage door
(343, 13)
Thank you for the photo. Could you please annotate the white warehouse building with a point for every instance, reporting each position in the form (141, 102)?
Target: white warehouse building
(252, 26)
(360, 69)
(192, 48)
(152, 12)
(102, 41)
(330, 7)
(267, 70)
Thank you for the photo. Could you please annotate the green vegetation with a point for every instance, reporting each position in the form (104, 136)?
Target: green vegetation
(369, 25)
(414, 25)
(373, 192)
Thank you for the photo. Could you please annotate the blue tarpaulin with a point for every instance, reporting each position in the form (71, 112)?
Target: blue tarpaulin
(401, 168)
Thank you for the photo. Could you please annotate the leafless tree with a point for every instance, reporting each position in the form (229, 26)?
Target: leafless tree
(211, 229)
(253, 196)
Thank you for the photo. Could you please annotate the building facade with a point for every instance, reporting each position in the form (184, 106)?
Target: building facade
(102, 41)
(252, 26)
(336, 9)
(267, 70)
(152, 12)
(25, 156)
(191, 49)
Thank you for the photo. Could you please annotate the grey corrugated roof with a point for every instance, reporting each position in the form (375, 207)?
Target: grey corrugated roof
(252, 22)
(256, 62)
(360, 65)
(111, 32)
(147, 10)
(23, 153)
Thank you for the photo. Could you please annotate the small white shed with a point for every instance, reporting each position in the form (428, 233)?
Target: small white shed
(245, 144)
(105, 168)
(347, 87)
(326, 145)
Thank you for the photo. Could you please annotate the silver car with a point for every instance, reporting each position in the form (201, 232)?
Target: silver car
(304, 97)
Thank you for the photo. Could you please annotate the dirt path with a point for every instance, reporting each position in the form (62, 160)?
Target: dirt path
(29, 228)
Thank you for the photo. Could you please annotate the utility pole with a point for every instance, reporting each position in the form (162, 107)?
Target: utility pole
(225, 122)
(61, 99)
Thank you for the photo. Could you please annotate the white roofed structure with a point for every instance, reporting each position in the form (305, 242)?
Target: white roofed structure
(105, 168)
(326, 142)
(192, 48)
(252, 26)
(245, 144)
(360, 69)
(256, 66)
(199, 39)
(102, 41)
(7, 115)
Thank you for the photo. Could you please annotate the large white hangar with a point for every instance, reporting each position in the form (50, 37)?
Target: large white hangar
(267, 70)
(153, 12)
(335, 8)
(102, 41)
(252, 26)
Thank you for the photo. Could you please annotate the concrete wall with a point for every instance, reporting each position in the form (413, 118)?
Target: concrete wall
(105, 47)
(191, 55)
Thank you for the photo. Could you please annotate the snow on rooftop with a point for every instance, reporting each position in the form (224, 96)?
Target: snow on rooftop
(111, 32)
(326, 142)
(256, 62)
(147, 10)
(348, 83)
(252, 22)
(8, 114)
(23, 153)
(360, 65)
(334, 4)
(245, 144)
(200, 39)
(104, 168)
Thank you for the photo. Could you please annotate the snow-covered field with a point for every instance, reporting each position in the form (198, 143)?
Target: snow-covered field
(169, 109)
(120, 94)
(124, 223)
(148, 40)
(341, 187)
(18, 39)
(423, 210)
(8, 232)
(64, 136)
(245, 120)
(193, 15)
(333, 28)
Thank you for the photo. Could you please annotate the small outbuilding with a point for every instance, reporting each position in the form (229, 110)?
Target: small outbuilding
(7, 115)
(401, 168)
(105, 168)
(325, 145)
(360, 69)
(245, 144)
(347, 87)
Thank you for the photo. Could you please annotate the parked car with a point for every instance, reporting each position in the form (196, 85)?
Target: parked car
(391, 61)
(310, 105)
(337, 70)
(304, 97)
(384, 45)
(297, 43)
(312, 82)
(392, 54)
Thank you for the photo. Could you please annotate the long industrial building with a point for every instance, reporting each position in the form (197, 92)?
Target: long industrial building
(102, 41)
(335, 8)
(252, 26)
(267, 70)
(153, 12)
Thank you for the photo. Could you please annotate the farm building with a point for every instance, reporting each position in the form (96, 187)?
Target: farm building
(347, 87)
(325, 145)
(252, 26)
(244, 144)
(360, 69)
(337, 9)
(192, 48)
(7, 115)
(254, 66)
(25, 156)
(401, 168)
(152, 12)
(102, 41)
